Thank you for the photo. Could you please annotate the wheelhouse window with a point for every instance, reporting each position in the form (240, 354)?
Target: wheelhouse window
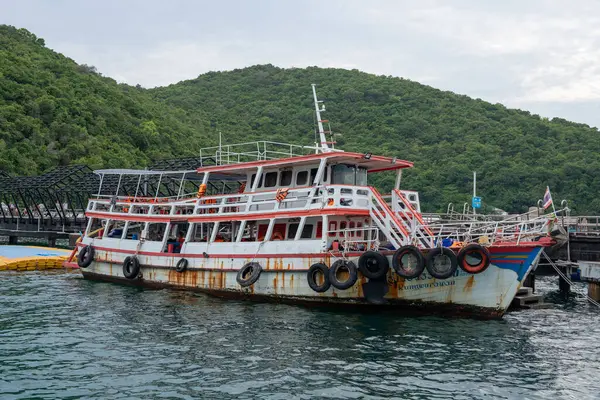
(343, 174)
(270, 179)
(313, 175)
(253, 178)
(301, 178)
(361, 176)
(285, 178)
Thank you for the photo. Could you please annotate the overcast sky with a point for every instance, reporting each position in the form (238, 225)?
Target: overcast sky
(542, 56)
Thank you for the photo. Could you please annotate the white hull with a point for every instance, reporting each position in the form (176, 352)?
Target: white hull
(284, 278)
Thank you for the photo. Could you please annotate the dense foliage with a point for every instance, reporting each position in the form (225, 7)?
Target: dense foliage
(54, 112)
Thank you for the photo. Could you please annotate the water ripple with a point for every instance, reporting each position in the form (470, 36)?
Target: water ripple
(64, 337)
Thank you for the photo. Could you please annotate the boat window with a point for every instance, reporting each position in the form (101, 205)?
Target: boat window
(95, 228)
(285, 178)
(253, 177)
(292, 229)
(114, 229)
(278, 231)
(319, 232)
(361, 176)
(249, 234)
(307, 232)
(313, 175)
(343, 174)
(342, 227)
(270, 179)
(351, 226)
(362, 192)
(134, 230)
(332, 228)
(326, 174)
(178, 231)
(156, 231)
(301, 178)
(225, 232)
(262, 231)
(202, 232)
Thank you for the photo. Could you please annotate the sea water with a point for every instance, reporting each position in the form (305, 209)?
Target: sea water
(65, 337)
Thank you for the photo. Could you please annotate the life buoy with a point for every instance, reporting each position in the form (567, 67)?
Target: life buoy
(340, 266)
(373, 265)
(249, 274)
(85, 256)
(441, 263)
(131, 267)
(408, 262)
(474, 259)
(277, 236)
(313, 272)
(182, 265)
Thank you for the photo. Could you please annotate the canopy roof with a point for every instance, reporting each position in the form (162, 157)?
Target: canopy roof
(371, 162)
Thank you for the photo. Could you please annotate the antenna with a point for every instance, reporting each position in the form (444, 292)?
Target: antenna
(324, 143)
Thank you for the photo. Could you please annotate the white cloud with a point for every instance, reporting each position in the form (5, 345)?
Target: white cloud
(538, 54)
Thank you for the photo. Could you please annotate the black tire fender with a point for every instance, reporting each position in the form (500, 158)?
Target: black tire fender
(403, 270)
(311, 277)
(182, 265)
(248, 274)
(373, 265)
(352, 274)
(131, 267)
(474, 248)
(86, 257)
(437, 252)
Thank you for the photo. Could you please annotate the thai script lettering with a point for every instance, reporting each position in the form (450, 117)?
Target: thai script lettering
(429, 285)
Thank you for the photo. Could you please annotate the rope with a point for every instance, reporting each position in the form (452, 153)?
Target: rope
(257, 251)
(560, 273)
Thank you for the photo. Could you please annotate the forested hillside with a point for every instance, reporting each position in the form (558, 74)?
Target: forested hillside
(448, 136)
(55, 112)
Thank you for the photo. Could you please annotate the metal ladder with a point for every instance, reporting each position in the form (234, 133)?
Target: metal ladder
(421, 235)
(392, 227)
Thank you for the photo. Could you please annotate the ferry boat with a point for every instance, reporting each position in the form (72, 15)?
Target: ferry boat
(274, 222)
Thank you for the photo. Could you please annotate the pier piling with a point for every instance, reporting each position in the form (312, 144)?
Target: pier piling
(563, 286)
(594, 290)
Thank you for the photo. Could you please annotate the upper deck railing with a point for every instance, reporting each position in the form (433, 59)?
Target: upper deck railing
(252, 151)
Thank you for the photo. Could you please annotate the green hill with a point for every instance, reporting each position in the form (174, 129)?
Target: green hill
(55, 112)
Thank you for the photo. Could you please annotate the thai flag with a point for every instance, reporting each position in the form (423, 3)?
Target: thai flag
(547, 198)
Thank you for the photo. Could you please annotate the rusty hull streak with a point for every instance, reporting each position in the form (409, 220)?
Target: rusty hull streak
(469, 284)
(400, 306)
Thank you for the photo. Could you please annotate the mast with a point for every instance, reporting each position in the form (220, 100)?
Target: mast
(324, 144)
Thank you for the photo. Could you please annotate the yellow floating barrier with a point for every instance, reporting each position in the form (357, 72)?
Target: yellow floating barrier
(31, 258)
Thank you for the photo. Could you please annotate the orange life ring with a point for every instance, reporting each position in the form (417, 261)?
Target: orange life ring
(277, 236)
(474, 259)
